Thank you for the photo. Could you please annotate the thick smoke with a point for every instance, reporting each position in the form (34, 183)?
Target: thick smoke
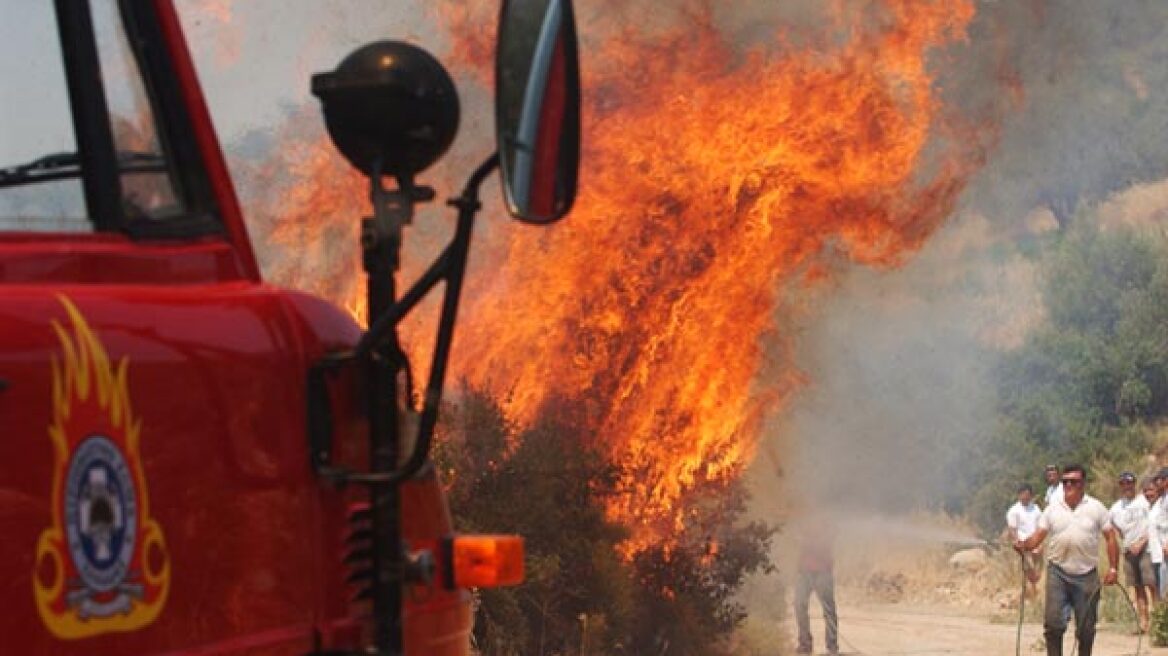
(1092, 95)
(899, 392)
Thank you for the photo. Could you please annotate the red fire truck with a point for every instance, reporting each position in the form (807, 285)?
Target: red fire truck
(194, 461)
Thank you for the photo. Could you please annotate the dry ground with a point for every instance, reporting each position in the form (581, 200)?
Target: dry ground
(898, 594)
(893, 629)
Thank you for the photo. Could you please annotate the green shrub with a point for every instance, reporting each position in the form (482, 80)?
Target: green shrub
(1090, 383)
(1158, 630)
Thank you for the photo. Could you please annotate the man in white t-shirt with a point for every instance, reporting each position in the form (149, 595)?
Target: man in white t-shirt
(1151, 493)
(1158, 529)
(1054, 488)
(1074, 524)
(1129, 516)
(1054, 492)
(1022, 522)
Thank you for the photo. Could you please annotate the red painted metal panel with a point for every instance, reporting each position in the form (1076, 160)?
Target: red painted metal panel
(204, 132)
(210, 374)
(437, 621)
(253, 540)
(240, 546)
(112, 259)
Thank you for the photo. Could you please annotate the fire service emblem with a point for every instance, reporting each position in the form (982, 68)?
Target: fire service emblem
(102, 566)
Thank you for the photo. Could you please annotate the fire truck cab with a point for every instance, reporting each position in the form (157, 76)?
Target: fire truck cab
(193, 460)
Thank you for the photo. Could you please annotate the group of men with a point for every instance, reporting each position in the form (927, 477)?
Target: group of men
(1072, 525)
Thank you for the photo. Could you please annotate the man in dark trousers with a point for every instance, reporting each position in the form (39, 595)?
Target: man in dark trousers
(815, 573)
(1074, 524)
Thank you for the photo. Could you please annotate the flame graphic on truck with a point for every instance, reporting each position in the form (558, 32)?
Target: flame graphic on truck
(102, 566)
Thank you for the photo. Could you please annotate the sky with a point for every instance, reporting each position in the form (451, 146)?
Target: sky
(254, 60)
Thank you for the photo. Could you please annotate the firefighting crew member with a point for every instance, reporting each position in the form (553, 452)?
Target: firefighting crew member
(1129, 517)
(1022, 522)
(1074, 525)
(815, 573)
(1054, 488)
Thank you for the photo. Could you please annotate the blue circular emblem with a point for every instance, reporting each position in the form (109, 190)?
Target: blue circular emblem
(101, 513)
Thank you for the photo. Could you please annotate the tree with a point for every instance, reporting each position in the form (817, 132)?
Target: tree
(552, 484)
(685, 588)
(1087, 384)
(547, 484)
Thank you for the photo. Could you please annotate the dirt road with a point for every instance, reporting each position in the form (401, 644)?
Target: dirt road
(895, 630)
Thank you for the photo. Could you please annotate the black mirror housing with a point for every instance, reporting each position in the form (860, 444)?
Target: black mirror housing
(537, 108)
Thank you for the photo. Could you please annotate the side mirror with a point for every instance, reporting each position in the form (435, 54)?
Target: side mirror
(537, 108)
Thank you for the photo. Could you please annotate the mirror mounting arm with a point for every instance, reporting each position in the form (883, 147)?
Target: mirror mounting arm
(467, 204)
(469, 200)
(449, 267)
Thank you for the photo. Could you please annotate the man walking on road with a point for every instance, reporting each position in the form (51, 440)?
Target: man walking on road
(815, 573)
(1129, 516)
(1074, 525)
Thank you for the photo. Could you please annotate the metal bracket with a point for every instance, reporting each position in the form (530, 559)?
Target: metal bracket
(320, 414)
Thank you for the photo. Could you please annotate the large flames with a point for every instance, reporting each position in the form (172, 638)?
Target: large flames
(713, 181)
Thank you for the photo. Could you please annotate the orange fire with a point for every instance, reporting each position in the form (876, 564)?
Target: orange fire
(713, 183)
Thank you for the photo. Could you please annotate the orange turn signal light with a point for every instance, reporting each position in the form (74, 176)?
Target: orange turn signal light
(485, 561)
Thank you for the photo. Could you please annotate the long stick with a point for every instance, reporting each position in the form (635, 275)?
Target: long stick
(1021, 606)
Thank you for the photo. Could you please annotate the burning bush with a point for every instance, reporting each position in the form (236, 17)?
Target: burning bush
(550, 483)
(685, 588)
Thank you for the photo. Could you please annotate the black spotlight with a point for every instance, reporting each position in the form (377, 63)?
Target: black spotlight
(389, 102)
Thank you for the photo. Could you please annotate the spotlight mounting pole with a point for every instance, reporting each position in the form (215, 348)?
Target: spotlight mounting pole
(381, 242)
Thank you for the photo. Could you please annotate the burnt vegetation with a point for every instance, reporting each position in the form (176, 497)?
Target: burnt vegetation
(583, 593)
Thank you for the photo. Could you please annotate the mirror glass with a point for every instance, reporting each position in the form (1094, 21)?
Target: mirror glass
(537, 100)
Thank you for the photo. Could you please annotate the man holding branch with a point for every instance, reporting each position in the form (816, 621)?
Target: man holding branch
(1074, 524)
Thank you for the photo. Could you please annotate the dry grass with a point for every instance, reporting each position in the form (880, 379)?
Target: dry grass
(758, 637)
(900, 560)
(907, 560)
